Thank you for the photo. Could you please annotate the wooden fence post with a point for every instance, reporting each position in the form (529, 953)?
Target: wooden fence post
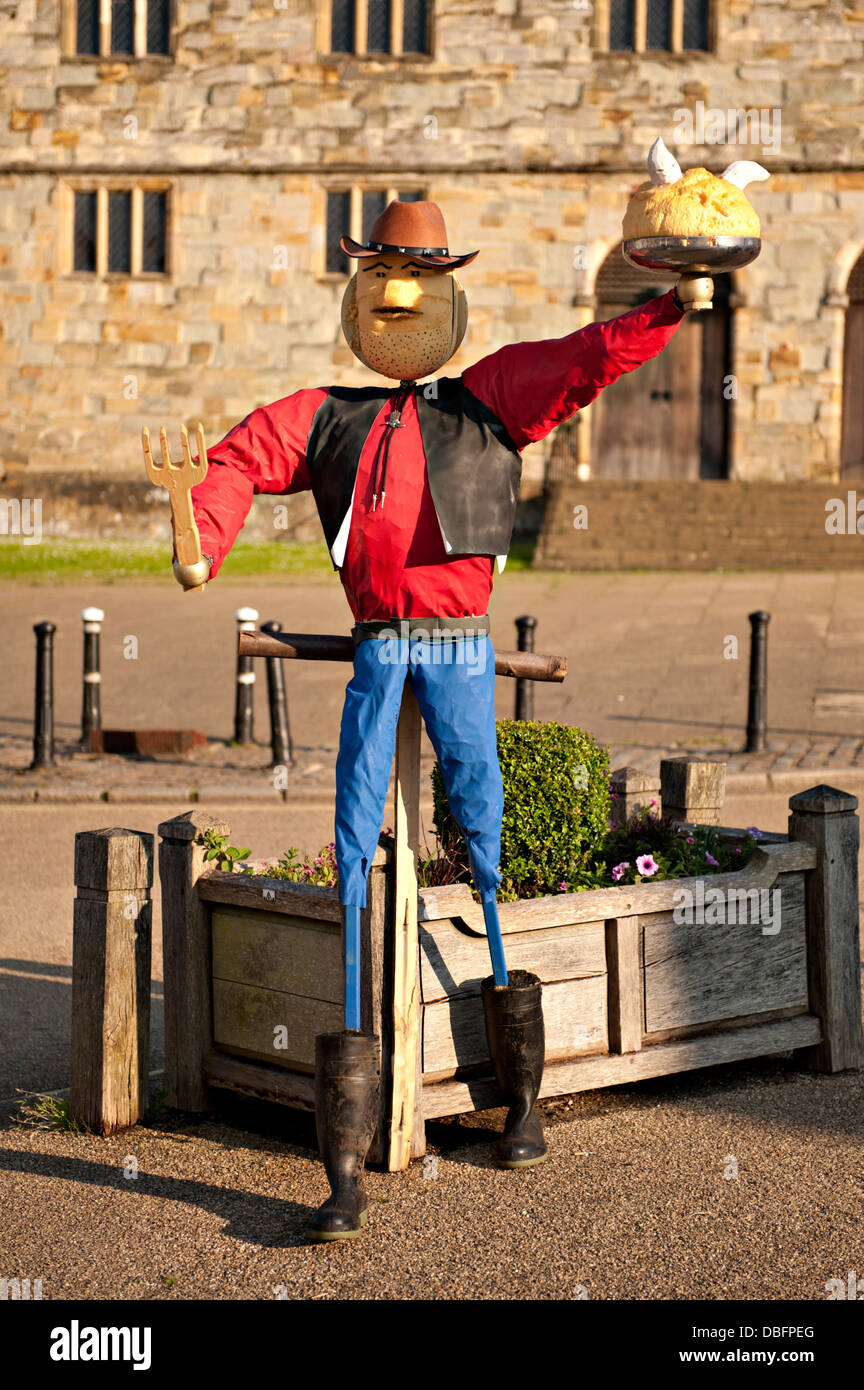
(111, 978)
(692, 789)
(186, 950)
(825, 818)
(407, 1132)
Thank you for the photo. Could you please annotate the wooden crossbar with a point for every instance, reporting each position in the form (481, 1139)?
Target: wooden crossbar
(314, 646)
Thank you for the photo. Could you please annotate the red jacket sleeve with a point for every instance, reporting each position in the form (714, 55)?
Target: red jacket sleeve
(532, 387)
(266, 452)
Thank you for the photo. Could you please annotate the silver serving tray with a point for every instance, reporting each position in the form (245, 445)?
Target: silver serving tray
(706, 255)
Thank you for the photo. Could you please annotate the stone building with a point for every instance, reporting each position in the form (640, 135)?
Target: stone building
(174, 175)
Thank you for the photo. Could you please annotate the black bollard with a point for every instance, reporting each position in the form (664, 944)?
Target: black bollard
(91, 701)
(757, 703)
(43, 718)
(244, 707)
(280, 730)
(524, 688)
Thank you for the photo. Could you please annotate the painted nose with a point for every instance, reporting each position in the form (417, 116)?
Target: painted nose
(401, 294)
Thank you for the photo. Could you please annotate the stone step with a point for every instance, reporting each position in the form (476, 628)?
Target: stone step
(695, 525)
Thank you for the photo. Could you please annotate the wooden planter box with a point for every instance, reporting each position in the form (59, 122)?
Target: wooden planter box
(253, 967)
(253, 970)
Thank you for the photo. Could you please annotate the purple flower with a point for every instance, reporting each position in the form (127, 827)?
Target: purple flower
(618, 871)
(709, 859)
(755, 832)
(646, 866)
(737, 849)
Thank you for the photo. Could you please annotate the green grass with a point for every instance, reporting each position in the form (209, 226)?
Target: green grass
(58, 561)
(54, 561)
(49, 1112)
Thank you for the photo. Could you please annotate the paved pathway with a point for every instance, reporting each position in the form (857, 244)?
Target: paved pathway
(651, 657)
(633, 1204)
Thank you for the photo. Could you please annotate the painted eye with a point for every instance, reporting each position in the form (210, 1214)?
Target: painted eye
(380, 275)
(415, 274)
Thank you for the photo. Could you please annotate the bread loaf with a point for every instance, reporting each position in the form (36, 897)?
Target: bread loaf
(699, 203)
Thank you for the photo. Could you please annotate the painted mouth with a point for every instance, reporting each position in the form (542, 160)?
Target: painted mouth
(397, 313)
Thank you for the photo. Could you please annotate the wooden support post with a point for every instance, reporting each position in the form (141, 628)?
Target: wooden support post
(406, 1115)
(111, 978)
(825, 818)
(692, 789)
(377, 915)
(186, 950)
(633, 788)
(624, 998)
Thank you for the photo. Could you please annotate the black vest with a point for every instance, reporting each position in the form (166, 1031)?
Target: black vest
(473, 465)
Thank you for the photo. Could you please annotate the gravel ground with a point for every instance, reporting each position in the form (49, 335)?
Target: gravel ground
(632, 1204)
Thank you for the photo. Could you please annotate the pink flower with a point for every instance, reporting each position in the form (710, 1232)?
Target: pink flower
(690, 840)
(709, 859)
(562, 887)
(737, 849)
(618, 871)
(653, 801)
(646, 866)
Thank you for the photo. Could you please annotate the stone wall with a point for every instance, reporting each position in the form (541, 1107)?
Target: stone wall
(539, 138)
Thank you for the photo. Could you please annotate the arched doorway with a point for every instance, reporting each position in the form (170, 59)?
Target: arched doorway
(670, 417)
(852, 445)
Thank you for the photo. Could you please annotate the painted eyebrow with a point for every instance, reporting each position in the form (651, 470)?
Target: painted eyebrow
(367, 268)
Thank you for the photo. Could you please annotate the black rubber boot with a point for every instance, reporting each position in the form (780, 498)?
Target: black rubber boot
(346, 1111)
(517, 1043)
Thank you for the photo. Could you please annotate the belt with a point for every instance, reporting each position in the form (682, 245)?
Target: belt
(421, 629)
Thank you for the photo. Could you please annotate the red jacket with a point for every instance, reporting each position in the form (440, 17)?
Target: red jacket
(394, 564)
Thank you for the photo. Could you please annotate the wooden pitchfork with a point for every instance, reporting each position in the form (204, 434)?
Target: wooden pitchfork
(179, 479)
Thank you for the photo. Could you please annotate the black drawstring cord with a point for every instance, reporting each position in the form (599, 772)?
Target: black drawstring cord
(382, 452)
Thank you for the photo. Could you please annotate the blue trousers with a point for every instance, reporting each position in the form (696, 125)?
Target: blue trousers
(454, 682)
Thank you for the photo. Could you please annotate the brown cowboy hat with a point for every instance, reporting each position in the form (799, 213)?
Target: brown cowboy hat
(413, 229)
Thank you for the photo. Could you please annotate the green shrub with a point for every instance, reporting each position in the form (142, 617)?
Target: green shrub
(556, 809)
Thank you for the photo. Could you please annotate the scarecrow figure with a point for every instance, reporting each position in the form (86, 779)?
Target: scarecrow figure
(416, 488)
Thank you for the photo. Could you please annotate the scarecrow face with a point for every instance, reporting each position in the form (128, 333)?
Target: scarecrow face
(402, 318)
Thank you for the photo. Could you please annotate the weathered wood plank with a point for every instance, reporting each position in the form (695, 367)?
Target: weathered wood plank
(561, 1078)
(406, 964)
(111, 944)
(260, 1080)
(625, 984)
(253, 1019)
(826, 819)
(701, 973)
(453, 963)
(574, 1014)
(275, 951)
(293, 899)
(186, 956)
(629, 900)
(374, 927)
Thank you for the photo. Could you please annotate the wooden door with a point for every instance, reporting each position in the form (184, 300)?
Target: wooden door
(852, 446)
(668, 418)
